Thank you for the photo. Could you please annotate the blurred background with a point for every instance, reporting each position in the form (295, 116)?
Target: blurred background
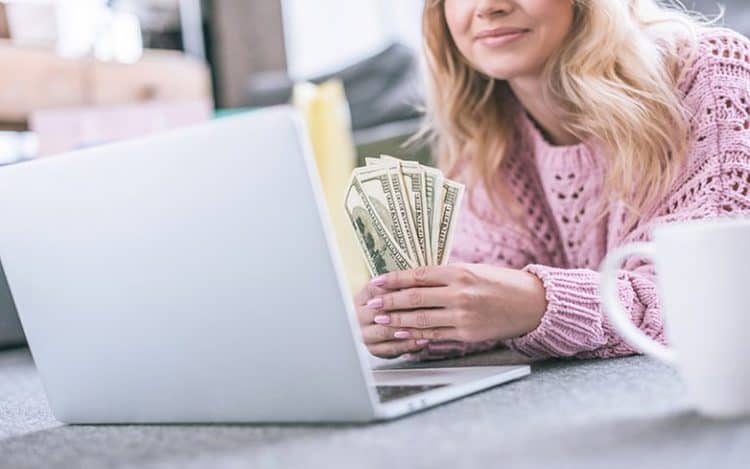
(83, 72)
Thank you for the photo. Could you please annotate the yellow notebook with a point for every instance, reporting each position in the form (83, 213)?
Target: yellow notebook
(326, 113)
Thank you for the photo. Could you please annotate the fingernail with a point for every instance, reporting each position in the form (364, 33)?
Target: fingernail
(375, 303)
(402, 334)
(382, 319)
(378, 281)
(423, 341)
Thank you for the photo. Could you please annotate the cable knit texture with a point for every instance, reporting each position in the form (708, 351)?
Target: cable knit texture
(560, 187)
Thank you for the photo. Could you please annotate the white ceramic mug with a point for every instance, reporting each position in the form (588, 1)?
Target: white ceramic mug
(703, 280)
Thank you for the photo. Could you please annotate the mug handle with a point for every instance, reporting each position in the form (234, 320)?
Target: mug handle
(614, 310)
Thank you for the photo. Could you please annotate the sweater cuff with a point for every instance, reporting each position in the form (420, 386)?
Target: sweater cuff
(572, 322)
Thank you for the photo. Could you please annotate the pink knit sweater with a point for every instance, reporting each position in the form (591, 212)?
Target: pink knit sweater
(559, 186)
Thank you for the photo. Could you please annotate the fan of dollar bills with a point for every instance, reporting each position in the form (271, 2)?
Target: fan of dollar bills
(403, 213)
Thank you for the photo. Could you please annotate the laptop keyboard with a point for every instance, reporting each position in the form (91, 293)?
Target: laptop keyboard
(389, 393)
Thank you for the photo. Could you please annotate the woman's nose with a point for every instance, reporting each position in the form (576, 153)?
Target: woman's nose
(492, 8)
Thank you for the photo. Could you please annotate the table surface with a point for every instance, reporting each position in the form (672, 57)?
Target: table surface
(620, 413)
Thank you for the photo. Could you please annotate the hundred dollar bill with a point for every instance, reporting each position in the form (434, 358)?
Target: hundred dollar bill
(451, 202)
(398, 183)
(404, 209)
(414, 183)
(377, 184)
(381, 252)
(433, 194)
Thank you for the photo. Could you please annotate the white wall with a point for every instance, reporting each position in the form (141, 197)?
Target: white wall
(325, 35)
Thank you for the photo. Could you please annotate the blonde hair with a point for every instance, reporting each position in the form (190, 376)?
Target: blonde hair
(614, 79)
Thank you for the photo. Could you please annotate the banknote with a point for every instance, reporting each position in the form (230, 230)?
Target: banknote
(380, 251)
(414, 183)
(404, 213)
(433, 193)
(450, 203)
(376, 182)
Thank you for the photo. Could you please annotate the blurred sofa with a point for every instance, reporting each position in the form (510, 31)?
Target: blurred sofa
(383, 93)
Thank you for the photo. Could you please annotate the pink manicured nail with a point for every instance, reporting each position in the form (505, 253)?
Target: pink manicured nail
(382, 319)
(375, 303)
(378, 281)
(423, 341)
(402, 334)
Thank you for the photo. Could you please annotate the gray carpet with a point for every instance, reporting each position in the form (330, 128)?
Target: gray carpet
(621, 413)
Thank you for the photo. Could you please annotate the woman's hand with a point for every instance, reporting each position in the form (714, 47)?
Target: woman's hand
(379, 340)
(401, 312)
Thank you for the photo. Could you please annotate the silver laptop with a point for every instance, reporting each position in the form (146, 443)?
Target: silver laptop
(193, 277)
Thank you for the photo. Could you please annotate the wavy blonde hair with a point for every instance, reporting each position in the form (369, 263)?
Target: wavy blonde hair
(614, 79)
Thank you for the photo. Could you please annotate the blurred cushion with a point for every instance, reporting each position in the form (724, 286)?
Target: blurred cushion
(381, 88)
(326, 114)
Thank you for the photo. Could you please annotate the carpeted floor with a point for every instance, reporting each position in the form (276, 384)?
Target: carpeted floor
(621, 413)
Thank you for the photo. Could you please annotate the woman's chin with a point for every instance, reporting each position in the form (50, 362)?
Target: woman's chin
(504, 72)
(501, 74)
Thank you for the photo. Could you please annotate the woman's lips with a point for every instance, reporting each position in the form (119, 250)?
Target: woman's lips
(500, 38)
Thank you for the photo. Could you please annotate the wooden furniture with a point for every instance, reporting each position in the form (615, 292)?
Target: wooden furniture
(36, 78)
(247, 37)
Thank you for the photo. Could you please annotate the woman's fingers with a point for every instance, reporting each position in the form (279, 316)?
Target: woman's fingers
(426, 276)
(394, 349)
(419, 319)
(412, 298)
(367, 292)
(375, 334)
(365, 315)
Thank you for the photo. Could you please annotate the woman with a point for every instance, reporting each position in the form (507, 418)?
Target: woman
(577, 126)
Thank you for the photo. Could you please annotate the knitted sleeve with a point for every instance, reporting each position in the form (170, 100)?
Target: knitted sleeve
(714, 182)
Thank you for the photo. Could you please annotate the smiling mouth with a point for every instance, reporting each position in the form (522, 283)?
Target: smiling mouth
(500, 38)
